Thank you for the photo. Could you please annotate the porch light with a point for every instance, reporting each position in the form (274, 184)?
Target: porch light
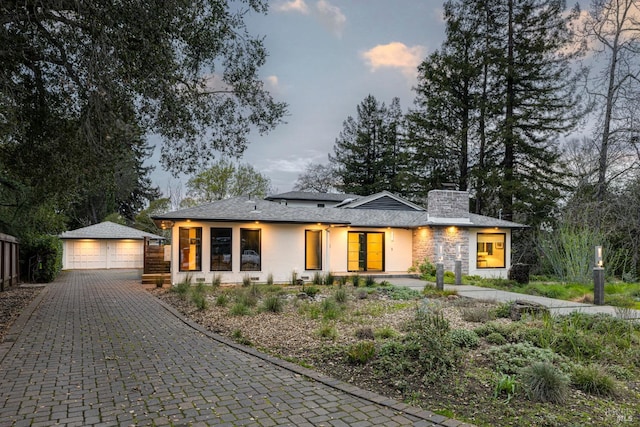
(599, 262)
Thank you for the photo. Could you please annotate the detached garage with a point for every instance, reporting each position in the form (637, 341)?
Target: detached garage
(104, 245)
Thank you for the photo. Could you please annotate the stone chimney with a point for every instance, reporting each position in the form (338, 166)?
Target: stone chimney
(448, 204)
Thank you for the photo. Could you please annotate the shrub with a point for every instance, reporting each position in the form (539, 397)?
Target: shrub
(513, 358)
(342, 280)
(341, 295)
(329, 278)
(327, 331)
(222, 300)
(361, 352)
(385, 332)
(270, 279)
(240, 309)
(293, 281)
(200, 300)
(400, 293)
(503, 310)
(543, 382)
(330, 309)
(426, 269)
(593, 379)
(246, 280)
(317, 278)
(182, 289)
(273, 304)
(47, 251)
(355, 279)
(362, 294)
(216, 280)
(496, 338)
(519, 273)
(254, 292)
(246, 298)
(311, 291)
(464, 338)
(369, 281)
(365, 333)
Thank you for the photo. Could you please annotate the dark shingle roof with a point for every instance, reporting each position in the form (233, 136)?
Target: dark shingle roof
(244, 209)
(108, 230)
(309, 196)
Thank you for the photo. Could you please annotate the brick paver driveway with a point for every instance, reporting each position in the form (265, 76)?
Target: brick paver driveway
(99, 350)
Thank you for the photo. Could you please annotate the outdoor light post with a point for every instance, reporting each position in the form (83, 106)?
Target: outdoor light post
(440, 269)
(458, 265)
(598, 278)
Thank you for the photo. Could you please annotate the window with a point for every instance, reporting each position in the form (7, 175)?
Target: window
(249, 250)
(365, 251)
(313, 250)
(491, 253)
(220, 249)
(190, 248)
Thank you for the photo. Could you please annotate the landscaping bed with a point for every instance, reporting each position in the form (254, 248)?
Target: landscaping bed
(458, 357)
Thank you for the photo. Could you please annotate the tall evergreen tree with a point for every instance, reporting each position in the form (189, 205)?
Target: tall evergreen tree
(493, 101)
(368, 156)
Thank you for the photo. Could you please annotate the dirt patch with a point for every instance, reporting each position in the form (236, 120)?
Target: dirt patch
(12, 302)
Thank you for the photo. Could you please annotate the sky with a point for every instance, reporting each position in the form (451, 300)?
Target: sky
(325, 57)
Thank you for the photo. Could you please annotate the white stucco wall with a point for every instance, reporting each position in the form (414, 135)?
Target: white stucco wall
(283, 251)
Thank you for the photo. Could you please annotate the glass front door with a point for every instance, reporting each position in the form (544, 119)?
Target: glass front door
(365, 251)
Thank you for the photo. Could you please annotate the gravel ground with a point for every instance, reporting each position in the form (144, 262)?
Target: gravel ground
(12, 302)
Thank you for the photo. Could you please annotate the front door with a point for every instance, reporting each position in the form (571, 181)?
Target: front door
(365, 251)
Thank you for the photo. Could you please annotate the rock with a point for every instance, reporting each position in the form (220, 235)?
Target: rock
(520, 307)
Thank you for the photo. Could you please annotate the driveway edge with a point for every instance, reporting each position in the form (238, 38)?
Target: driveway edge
(321, 378)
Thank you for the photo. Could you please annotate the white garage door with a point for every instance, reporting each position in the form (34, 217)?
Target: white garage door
(96, 254)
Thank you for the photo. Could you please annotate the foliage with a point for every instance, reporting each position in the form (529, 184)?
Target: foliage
(369, 281)
(44, 256)
(368, 155)
(385, 332)
(340, 295)
(506, 384)
(365, 333)
(464, 338)
(317, 278)
(330, 309)
(215, 281)
(182, 289)
(513, 358)
(399, 293)
(311, 291)
(593, 379)
(198, 296)
(477, 314)
(329, 279)
(496, 338)
(361, 352)
(222, 300)
(240, 309)
(355, 280)
(273, 304)
(246, 281)
(327, 331)
(225, 179)
(543, 382)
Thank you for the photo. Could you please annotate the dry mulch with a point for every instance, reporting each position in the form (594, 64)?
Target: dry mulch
(12, 302)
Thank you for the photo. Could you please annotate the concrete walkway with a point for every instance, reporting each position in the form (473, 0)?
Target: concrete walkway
(95, 349)
(555, 306)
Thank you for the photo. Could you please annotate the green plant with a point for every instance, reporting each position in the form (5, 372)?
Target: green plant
(240, 309)
(254, 292)
(426, 269)
(216, 280)
(369, 281)
(400, 292)
(317, 278)
(433, 292)
(311, 291)
(503, 310)
(329, 278)
(47, 251)
(270, 279)
(273, 304)
(477, 314)
(159, 281)
(200, 300)
(544, 382)
(496, 338)
(513, 358)
(182, 289)
(593, 379)
(330, 309)
(246, 280)
(239, 338)
(464, 338)
(293, 280)
(222, 300)
(506, 384)
(355, 279)
(385, 332)
(342, 280)
(361, 352)
(327, 331)
(365, 333)
(341, 295)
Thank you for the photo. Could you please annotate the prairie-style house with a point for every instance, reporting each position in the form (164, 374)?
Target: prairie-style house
(310, 232)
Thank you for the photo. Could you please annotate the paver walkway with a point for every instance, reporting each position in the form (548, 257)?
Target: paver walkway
(96, 349)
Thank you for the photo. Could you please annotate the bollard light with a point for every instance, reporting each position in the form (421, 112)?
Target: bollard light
(599, 263)
(440, 254)
(458, 251)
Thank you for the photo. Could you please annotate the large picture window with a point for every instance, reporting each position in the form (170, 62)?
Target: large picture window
(250, 256)
(313, 250)
(190, 247)
(491, 250)
(221, 249)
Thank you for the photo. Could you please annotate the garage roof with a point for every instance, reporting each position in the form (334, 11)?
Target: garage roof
(108, 230)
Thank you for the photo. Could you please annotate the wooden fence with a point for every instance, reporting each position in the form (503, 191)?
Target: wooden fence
(9, 262)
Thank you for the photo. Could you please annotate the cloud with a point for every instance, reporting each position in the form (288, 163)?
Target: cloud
(331, 17)
(292, 6)
(395, 55)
